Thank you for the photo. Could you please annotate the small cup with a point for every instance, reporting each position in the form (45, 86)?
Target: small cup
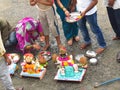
(93, 61)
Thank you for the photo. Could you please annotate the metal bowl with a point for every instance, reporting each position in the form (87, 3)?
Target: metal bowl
(93, 61)
(91, 54)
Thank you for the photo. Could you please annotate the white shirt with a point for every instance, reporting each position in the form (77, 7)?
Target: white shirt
(83, 4)
(116, 4)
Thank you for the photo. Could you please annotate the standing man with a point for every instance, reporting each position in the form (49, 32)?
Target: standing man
(4, 73)
(88, 11)
(113, 10)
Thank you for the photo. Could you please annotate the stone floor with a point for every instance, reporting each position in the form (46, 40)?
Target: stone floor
(106, 69)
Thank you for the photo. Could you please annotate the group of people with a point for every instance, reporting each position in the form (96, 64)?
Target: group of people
(88, 11)
(28, 29)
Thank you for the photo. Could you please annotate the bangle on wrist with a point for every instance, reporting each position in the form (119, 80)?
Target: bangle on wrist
(64, 9)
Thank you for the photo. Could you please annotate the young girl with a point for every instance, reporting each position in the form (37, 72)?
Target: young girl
(64, 8)
(47, 19)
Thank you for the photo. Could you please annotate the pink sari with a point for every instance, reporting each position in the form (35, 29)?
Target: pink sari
(27, 31)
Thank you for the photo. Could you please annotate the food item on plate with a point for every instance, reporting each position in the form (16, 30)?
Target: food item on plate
(74, 16)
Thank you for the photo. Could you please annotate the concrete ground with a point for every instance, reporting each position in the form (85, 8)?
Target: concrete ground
(106, 69)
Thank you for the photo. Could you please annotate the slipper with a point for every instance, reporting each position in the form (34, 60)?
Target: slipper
(100, 50)
(84, 45)
(116, 38)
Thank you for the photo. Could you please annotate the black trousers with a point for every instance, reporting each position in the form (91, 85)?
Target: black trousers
(114, 17)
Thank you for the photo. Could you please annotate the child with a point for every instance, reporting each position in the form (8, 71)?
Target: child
(47, 19)
(88, 11)
(4, 73)
(64, 8)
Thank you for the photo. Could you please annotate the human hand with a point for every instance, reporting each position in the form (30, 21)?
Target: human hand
(33, 2)
(83, 14)
(42, 38)
(36, 46)
(67, 13)
(111, 3)
(8, 61)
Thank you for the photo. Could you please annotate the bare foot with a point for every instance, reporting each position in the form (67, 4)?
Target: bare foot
(116, 38)
(59, 46)
(70, 42)
(46, 47)
(36, 46)
(19, 88)
(77, 38)
(84, 45)
(100, 50)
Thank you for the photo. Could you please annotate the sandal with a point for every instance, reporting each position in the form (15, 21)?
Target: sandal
(84, 45)
(70, 42)
(100, 50)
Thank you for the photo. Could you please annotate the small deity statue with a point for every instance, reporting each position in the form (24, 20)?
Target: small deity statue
(63, 59)
(28, 64)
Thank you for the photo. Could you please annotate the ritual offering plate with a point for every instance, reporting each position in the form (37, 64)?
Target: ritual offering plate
(68, 69)
(14, 57)
(91, 54)
(39, 75)
(74, 17)
(70, 75)
(31, 67)
(93, 61)
(46, 55)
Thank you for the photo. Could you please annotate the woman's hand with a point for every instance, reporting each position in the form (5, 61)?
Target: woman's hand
(42, 38)
(67, 13)
(36, 46)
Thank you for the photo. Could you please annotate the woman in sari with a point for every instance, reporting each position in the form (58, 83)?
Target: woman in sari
(27, 31)
(64, 8)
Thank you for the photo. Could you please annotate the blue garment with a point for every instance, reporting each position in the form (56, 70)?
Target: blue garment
(114, 17)
(11, 40)
(70, 29)
(92, 21)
